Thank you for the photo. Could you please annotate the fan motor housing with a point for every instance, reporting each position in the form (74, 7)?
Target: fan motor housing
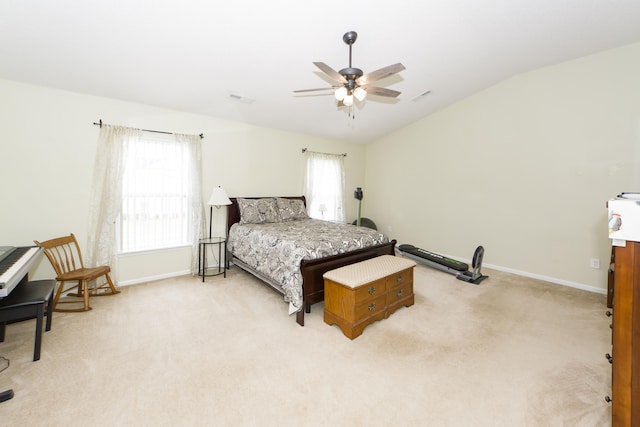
(351, 73)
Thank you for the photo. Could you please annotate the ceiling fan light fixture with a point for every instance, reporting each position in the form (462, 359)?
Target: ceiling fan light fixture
(360, 93)
(352, 82)
(348, 100)
(340, 93)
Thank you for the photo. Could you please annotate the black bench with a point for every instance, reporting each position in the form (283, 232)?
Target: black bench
(27, 301)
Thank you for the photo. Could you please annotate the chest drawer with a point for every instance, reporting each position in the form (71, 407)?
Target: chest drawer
(400, 278)
(370, 308)
(400, 293)
(370, 290)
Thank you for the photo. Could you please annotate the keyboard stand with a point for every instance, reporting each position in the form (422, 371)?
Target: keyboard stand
(6, 395)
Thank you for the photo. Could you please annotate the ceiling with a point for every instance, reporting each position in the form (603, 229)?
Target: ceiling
(190, 55)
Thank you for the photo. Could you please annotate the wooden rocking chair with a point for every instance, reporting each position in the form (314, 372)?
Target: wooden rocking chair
(66, 259)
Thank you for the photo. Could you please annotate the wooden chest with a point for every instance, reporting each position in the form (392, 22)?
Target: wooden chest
(359, 294)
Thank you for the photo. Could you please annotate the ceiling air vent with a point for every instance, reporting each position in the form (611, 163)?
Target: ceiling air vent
(239, 98)
(422, 95)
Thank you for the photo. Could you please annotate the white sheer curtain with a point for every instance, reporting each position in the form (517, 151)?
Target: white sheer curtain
(106, 197)
(324, 184)
(114, 149)
(197, 221)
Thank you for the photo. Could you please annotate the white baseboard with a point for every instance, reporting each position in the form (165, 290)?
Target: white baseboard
(537, 276)
(548, 279)
(492, 266)
(153, 278)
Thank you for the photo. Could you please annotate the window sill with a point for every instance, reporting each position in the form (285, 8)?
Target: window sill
(152, 251)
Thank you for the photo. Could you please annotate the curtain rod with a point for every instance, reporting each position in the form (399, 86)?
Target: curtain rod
(147, 130)
(304, 150)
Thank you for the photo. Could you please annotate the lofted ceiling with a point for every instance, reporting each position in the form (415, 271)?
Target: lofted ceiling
(191, 55)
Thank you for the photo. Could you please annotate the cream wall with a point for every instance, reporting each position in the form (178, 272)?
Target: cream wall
(523, 168)
(48, 144)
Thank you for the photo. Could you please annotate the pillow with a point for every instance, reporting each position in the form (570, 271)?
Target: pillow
(258, 211)
(290, 209)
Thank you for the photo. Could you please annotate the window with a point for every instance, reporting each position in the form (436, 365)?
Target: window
(155, 195)
(146, 194)
(324, 184)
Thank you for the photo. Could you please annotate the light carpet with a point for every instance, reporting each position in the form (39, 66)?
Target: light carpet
(511, 351)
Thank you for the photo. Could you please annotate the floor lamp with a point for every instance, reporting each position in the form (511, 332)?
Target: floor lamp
(218, 198)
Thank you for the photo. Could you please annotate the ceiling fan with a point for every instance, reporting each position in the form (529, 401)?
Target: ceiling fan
(352, 82)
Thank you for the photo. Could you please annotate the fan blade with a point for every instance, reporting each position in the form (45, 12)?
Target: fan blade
(380, 74)
(313, 90)
(333, 74)
(381, 91)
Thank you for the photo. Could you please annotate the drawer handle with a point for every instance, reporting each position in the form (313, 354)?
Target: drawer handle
(372, 290)
(399, 294)
(399, 278)
(372, 306)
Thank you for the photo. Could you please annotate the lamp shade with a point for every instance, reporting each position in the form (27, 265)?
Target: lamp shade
(219, 197)
(360, 93)
(348, 100)
(340, 93)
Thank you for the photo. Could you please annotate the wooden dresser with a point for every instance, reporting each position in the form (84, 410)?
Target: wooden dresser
(625, 357)
(359, 294)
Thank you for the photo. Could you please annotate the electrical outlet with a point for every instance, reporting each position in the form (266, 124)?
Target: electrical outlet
(595, 263)
(389, 229)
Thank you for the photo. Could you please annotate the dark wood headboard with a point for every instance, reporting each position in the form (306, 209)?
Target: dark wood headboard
(233, 213)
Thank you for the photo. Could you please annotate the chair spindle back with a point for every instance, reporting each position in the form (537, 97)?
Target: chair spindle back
(63, 253)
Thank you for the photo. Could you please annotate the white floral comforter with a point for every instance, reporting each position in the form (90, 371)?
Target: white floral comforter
(276, 249)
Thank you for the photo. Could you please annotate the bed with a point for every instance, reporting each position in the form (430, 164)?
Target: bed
(263, 242)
